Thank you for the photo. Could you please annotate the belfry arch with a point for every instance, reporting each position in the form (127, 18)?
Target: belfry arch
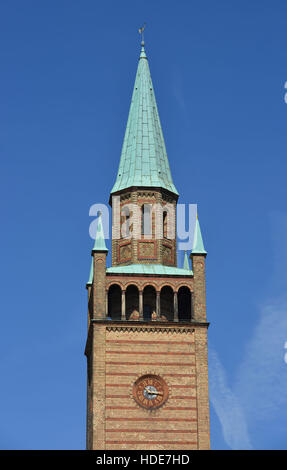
(149, 302)
(132, 301)
(167, 303)
(184, 304)
(115, 302)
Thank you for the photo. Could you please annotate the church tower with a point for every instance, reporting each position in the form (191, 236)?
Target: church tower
(146, 347)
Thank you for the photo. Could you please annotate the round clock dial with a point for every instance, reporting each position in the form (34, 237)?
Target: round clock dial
(150, 391)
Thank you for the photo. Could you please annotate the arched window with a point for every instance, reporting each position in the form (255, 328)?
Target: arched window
(146, 219)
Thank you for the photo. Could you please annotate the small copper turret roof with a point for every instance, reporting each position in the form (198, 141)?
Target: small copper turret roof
(198, 247)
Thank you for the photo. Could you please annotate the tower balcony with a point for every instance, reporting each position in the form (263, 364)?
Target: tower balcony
(147, 296)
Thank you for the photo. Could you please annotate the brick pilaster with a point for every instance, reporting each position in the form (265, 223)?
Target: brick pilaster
(199, 296)
(99, 284)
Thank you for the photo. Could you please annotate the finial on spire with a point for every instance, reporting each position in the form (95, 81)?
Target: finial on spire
(141, 31)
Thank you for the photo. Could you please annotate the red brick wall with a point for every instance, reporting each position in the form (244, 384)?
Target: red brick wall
(123, 353)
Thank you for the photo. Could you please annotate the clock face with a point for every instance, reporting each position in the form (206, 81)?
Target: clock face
(150, 391)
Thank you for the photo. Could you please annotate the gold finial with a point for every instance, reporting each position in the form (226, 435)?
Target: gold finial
(141, 31)
(100, 213)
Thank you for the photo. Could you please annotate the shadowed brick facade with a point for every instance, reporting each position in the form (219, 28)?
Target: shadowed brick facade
(146, 316)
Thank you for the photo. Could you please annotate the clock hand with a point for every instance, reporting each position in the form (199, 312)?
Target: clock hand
(151, 392)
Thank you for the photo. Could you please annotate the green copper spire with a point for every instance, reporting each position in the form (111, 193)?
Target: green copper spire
(144, 159)
(186, 262)
(100, 244)
(198, 247)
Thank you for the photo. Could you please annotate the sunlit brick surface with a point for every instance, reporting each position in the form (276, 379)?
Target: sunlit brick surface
(121, 355)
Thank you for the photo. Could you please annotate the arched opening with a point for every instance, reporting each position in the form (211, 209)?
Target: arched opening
(115, 302)
(146, 219)
(167, 303)
(125, 222)
(164, 223)
(132, 303)
(184, 304)
(149, 302)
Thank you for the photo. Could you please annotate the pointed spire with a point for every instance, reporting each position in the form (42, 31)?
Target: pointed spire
(198, 247)
(144, 161)
(100, 244)
(186, 262)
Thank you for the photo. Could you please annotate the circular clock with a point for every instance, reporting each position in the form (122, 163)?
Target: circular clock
(150, 391)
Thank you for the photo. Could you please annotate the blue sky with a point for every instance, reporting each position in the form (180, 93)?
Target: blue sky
(67, 72)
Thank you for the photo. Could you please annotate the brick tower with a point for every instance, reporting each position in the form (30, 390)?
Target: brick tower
(146, 348)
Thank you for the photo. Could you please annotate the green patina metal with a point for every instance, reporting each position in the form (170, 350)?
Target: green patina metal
(144, 160)
(186, 262)
(198, 247)
(100, 244)
(153, 269)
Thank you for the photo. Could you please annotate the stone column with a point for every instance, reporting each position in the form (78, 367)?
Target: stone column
(158, 305)
(175, 306)
(141, 305)
(123, 305)
(107, 303)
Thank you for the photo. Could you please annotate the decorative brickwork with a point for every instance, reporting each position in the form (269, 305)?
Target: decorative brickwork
(125, 252)
(141, 249)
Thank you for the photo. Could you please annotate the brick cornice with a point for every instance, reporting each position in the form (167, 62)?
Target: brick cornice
(176, 276)
(131, 189)
(143, 325)
(135, 329)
